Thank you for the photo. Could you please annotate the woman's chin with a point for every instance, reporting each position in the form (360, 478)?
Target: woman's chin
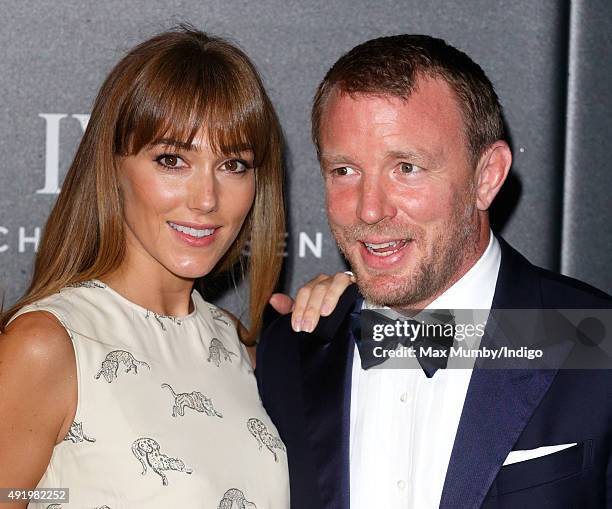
(192, 272)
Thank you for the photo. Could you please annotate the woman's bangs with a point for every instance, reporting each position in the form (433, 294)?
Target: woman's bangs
(231, 117)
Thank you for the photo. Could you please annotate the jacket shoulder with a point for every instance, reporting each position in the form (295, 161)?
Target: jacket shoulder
(562, 291)
(538, 286)
(277, 346)
(277, 333)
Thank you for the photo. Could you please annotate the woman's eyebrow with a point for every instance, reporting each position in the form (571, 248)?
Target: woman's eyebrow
(192, 147)
(171, 142)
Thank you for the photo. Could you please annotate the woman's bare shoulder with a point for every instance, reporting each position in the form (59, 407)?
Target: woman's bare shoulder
(37, 336)
(38, 362)
(39, 393)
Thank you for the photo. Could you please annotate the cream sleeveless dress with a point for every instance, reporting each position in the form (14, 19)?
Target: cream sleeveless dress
(168, 411)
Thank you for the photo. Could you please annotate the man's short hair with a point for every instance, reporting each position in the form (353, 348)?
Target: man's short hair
(392, 66)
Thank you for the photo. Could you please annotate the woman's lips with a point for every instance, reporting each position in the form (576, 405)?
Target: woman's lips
(199, 236)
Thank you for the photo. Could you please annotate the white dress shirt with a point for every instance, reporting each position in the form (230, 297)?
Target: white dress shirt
(403, 424)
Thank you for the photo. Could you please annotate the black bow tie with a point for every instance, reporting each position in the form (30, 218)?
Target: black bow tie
(431, 346)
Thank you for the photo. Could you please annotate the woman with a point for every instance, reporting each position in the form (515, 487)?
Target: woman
(118, 381)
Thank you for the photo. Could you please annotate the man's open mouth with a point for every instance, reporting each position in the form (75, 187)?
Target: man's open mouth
(385, 248)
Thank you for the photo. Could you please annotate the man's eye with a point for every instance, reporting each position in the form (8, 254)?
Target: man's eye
(407, 168)
(343, 171)
(170, 161)
(236, 166)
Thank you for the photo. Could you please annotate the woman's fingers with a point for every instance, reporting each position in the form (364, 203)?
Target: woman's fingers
(318, 298)
(301, 301)
(340, 282)
(312, 309)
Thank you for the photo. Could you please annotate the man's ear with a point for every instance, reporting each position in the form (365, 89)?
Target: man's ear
(491, 173)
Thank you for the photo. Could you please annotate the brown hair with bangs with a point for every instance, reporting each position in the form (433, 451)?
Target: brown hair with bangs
(170, 86)
(392, 66)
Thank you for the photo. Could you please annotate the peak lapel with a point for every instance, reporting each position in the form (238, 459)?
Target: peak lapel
(499, 402)
(497, 408)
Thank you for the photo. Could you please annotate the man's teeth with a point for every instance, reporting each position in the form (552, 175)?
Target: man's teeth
(383, 245)
(375, 249)
(192, 231)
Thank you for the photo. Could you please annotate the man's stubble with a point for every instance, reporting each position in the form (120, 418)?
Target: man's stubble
(437, 270)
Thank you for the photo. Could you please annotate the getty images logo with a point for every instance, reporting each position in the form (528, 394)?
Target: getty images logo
(53, 122)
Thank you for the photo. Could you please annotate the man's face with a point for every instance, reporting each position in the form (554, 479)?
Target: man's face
(401, 192)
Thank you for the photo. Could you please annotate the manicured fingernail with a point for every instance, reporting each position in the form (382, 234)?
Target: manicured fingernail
(307, 326)
(296, 325)
(325, 310)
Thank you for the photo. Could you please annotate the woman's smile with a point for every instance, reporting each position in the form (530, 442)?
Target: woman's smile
(199, 236)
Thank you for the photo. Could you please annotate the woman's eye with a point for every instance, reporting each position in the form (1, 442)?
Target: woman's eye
(343, 171)
(236, 166)
(170, 161)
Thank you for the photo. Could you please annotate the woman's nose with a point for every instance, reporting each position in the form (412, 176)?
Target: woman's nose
(203, 195)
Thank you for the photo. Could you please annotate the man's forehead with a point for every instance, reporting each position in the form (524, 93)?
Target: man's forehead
(340, 101)
(433, 89)
(430, 114)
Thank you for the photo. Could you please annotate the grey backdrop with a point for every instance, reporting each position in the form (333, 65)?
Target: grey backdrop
(549, 60)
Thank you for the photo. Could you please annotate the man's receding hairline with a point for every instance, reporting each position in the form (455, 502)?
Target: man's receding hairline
(336, 89)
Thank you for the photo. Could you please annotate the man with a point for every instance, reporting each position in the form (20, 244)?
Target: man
(410, 140)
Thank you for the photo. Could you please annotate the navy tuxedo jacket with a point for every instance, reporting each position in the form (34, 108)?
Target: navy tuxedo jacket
(305, 385)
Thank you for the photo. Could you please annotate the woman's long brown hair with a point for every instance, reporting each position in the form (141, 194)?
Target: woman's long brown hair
(171, 86)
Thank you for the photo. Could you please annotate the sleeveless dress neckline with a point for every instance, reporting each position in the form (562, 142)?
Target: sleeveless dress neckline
(146, 310)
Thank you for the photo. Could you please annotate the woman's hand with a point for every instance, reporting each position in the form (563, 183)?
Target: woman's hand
(316, 298)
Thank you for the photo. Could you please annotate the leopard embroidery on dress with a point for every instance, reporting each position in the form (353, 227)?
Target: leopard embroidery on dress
(75, 434)
(194, 400)
(260, 431)
(111, 363)
(235, 498)
(147, 451)
(216, 349)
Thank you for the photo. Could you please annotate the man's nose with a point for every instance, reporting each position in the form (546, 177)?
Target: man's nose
(203, 193)
(374, 200)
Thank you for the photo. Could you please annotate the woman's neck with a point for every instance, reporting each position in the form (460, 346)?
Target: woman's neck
(152, 286)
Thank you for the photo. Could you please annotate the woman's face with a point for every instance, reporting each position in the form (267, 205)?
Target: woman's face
(183, 205)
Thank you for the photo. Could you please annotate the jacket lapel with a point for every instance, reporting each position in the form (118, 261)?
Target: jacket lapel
(499, 402)
(497, 408)
(326, 357)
